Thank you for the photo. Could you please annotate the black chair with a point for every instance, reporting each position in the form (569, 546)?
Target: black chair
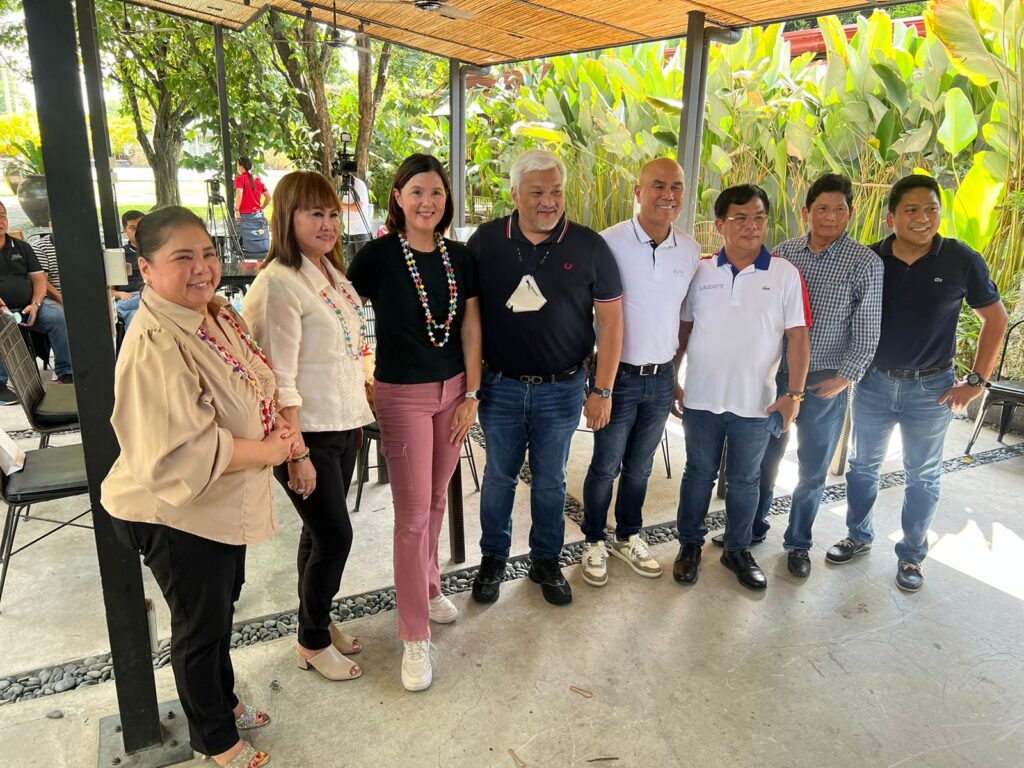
(48, 410)
(1003, 392)
(48, 475)
(371, 434)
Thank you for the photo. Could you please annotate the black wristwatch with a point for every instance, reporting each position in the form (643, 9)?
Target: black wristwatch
(975, 379)
(605, 393)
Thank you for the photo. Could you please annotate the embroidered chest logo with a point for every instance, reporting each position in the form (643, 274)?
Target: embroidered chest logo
(938, 279)
(765, 287)
(567, 266)
(711, 286)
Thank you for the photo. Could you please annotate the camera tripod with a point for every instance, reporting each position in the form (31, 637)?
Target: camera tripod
(346, 186)
(220, 225)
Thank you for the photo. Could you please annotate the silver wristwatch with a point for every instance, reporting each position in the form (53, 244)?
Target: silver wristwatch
(473, 394)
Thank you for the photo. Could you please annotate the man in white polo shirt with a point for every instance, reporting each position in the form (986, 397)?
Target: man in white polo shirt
(657, 262)
(740, 306)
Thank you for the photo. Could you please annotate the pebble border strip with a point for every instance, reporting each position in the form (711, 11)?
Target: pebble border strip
(96, 669)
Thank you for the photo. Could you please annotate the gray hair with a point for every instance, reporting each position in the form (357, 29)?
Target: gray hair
(535, 160)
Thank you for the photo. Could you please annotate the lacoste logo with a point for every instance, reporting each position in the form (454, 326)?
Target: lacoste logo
(711, 286)
(938, 279)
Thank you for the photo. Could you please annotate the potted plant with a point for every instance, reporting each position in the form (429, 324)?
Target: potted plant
(31, 190)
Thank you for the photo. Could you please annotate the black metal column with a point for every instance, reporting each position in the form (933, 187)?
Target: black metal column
(54, 57)
(89, 41)
(691, 123)
(457, 139)
(225, 127)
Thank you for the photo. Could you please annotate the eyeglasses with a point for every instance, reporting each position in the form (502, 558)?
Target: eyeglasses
(743, 219)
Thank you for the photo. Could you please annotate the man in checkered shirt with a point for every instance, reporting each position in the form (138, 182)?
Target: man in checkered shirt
(844, 281)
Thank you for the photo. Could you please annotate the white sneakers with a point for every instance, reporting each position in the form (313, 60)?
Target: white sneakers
(443, 610)
(417, 671)
(594, 563)
(634, 553)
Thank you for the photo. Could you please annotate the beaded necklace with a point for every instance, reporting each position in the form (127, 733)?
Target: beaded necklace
(268, 411)
(453, 289)
(355, 352)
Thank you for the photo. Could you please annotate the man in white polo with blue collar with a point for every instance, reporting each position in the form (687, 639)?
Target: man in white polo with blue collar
(656, 261)
(740, 306)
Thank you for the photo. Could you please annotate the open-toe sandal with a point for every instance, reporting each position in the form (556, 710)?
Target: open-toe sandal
(343, 641)
(331, 664)
(249, 757)
(251, 718)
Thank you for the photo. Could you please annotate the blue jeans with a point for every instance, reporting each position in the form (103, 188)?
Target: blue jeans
(126, 308)
(517, 417)
(706, 433)
(820, 423)
(879, 404)
(640, 407)
(50, 320)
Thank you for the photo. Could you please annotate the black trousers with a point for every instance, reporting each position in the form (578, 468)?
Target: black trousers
(201, 581)
(326, 537)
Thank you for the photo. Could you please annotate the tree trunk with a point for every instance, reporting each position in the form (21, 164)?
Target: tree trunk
(168, 139)
(370, 93)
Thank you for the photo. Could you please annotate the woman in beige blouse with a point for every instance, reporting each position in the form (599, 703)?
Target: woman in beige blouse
(307, 316)
(194, 414)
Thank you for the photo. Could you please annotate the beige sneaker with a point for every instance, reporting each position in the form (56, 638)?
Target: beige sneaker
(635, 554)
(417, 671)
(594, 564)
(443, 610)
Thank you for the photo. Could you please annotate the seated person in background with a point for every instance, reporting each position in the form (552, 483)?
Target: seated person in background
(126, 297)
(41, 240)
(23, 290)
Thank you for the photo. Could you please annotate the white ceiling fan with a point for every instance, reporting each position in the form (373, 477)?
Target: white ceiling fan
(125, 27)
(431, 6)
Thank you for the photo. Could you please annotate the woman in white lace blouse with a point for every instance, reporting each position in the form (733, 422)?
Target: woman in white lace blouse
(308, 319)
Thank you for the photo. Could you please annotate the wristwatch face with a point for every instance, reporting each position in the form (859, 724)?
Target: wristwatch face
(605, 393)
(974, 379)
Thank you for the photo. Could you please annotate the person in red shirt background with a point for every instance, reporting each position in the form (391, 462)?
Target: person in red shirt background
(251, 196)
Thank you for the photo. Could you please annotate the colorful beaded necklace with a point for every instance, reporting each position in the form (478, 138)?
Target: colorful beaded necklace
(354, 351)
(268, 411)
(453, 289)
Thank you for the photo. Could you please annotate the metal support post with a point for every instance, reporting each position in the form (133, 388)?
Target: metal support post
(222, 100)
(53, 53)
(691, 123)
(457, 138)
(87, 36)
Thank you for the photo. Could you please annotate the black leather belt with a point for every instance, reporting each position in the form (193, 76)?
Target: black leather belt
(904, 374)
(647, 369)
(529, 379)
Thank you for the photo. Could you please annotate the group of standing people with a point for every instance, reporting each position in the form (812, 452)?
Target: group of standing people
(211, 403)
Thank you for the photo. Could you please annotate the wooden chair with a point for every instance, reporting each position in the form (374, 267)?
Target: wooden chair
(48, 411)
(48, 475)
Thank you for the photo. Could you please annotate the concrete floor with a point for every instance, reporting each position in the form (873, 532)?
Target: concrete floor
(841, 669)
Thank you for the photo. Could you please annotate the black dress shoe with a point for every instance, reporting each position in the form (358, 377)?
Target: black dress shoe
(747, 571)
(909, 576)
(799, 563)
(685, 568)
(844, 551)
(719, 539)
(553, 585)
(488, 579)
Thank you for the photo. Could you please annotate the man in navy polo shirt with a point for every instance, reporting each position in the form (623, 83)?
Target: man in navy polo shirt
(542, 282)
(741, 304)
(657, 262)
(911, 382)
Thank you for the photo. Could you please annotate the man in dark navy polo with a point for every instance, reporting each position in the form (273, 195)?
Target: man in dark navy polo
(911, 381)
(542, 282)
